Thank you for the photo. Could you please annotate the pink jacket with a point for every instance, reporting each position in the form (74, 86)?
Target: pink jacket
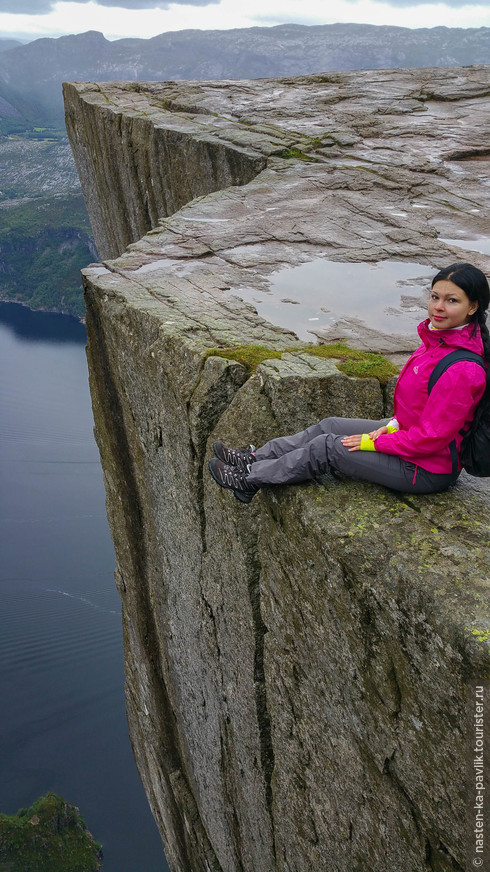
(429, 423)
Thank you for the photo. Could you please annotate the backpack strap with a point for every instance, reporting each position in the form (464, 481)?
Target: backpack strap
(449, 359)
(439, 369)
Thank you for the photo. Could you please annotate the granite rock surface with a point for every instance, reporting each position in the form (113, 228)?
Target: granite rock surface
(297, 669)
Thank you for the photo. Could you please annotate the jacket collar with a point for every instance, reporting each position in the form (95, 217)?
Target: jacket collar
(451, 338)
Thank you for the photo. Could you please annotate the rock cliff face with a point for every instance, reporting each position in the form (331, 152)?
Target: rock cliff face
(298, 670)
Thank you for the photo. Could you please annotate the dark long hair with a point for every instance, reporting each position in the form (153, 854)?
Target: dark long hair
(474, 283)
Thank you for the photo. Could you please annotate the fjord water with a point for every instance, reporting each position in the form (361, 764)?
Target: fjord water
(63, 725)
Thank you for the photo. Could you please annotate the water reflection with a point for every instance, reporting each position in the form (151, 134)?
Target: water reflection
(481, 244)
(41, 326)
(61, 661)
(317, 294)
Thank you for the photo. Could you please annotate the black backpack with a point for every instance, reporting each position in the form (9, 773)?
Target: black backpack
(474, 452)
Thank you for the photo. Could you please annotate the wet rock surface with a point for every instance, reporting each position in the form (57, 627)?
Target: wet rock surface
(297, 667)
(350, 166)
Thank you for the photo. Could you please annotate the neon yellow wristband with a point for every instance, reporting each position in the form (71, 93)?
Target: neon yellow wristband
(392, 429)
(367, 444)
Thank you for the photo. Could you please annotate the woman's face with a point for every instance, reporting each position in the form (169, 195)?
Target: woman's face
(449, 306)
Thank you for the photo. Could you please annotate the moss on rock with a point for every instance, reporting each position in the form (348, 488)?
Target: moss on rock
(351, 361)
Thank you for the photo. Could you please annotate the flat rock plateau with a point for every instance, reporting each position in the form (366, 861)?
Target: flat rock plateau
(299, 671)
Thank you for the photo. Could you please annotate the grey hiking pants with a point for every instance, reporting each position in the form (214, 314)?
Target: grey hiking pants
(318, 450)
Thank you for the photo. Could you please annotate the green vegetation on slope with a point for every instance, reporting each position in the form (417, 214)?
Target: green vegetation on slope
(50, 836)
(19, 128)
(44, 243)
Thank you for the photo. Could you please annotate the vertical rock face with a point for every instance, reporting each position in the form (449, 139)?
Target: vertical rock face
(297, 669)
(147, 170)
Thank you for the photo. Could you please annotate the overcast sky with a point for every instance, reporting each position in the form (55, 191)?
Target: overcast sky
(30, 19)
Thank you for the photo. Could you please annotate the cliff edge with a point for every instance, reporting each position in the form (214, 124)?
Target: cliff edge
(298, 671)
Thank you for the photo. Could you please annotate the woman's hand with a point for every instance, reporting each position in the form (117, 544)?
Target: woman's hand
(375, 433)
(353, 443)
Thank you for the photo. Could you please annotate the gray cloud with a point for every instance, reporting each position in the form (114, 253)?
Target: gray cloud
(42, 7)
(30, 7)
(151, 4)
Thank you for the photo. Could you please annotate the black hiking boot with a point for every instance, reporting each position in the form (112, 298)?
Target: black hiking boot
(238, 457)
(233, 479)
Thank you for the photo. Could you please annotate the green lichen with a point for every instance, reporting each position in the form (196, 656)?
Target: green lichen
(50, 836)
(351, 361)
(250, 356)
(104, 95)
(481, 635)
(290, 153)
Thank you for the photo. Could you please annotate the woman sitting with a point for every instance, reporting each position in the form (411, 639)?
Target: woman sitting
(412, 452)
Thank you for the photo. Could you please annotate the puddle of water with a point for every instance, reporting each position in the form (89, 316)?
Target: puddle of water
(481, 244)
(436, 108)
(316, 295)
(454, 167)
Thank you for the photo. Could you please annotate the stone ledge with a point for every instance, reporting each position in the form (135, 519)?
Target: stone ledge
(296, 667)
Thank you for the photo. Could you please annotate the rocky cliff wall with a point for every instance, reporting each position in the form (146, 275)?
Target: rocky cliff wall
(297, 669)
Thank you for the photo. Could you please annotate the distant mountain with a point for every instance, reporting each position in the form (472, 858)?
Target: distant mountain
(31, 75)
(9, 43)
